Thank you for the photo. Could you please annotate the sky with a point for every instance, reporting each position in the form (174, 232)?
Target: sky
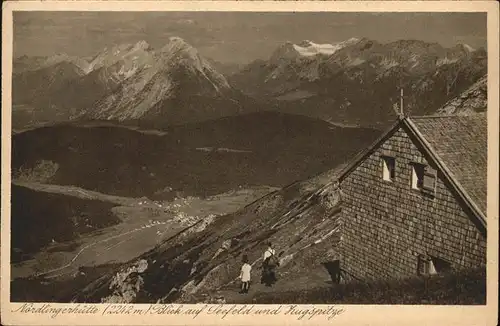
(233, 37)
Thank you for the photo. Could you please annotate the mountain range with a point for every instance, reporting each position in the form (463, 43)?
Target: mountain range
(127, 82)
(355, 82)
(358, 80)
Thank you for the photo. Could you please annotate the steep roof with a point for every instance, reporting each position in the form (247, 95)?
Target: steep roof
(460, 142)
(457, 144)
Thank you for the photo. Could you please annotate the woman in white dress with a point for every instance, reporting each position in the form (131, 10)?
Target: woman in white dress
(245, 275)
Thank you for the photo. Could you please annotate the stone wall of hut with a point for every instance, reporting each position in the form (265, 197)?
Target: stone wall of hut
(387, 225)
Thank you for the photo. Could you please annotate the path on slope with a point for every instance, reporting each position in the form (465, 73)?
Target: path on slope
(313, 279)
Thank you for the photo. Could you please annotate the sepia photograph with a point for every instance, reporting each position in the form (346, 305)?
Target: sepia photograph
(239, 157)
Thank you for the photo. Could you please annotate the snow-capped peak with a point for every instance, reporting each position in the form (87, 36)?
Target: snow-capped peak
(308, 48)
(176, 39)
(177, 44)
(142, 45)
(468, 47)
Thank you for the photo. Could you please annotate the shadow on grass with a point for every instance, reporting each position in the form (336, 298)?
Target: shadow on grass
(465, 287)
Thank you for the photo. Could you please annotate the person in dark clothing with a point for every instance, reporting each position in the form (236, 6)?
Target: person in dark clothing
(270, 262)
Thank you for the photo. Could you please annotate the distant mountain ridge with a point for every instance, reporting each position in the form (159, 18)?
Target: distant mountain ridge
(30, 85)
(26, 63)
(226, 68)
(358, 81)
(354, 82)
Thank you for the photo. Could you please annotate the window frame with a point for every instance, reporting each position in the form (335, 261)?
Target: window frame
(391, 174)
(426, 266)
(419, 173)
(417, 176)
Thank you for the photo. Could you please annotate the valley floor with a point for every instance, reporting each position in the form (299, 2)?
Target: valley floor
(144, 224)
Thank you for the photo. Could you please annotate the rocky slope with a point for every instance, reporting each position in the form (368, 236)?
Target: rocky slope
(204, 258)
(473, 100)
(358, 81)
(226, 68)
(177, 85)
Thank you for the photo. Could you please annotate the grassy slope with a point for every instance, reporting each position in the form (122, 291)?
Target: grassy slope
(459, 288)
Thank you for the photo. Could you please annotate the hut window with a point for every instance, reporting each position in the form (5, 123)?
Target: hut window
(417, 180)
(389, 168)
(430, 265)
(441, 265)
(425, 265)
(423, 178)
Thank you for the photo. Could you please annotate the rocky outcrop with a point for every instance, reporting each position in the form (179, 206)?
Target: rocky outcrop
(126, 284)
(42, 171)
(473, 100)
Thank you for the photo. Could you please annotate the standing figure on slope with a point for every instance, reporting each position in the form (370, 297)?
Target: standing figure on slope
(245, 275)
(270, 262)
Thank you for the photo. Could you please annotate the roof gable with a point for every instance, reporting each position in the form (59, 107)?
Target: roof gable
(367, 151)
(457, 144)
(460, 144)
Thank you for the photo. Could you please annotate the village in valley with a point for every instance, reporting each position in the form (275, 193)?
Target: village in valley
(179, 158)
